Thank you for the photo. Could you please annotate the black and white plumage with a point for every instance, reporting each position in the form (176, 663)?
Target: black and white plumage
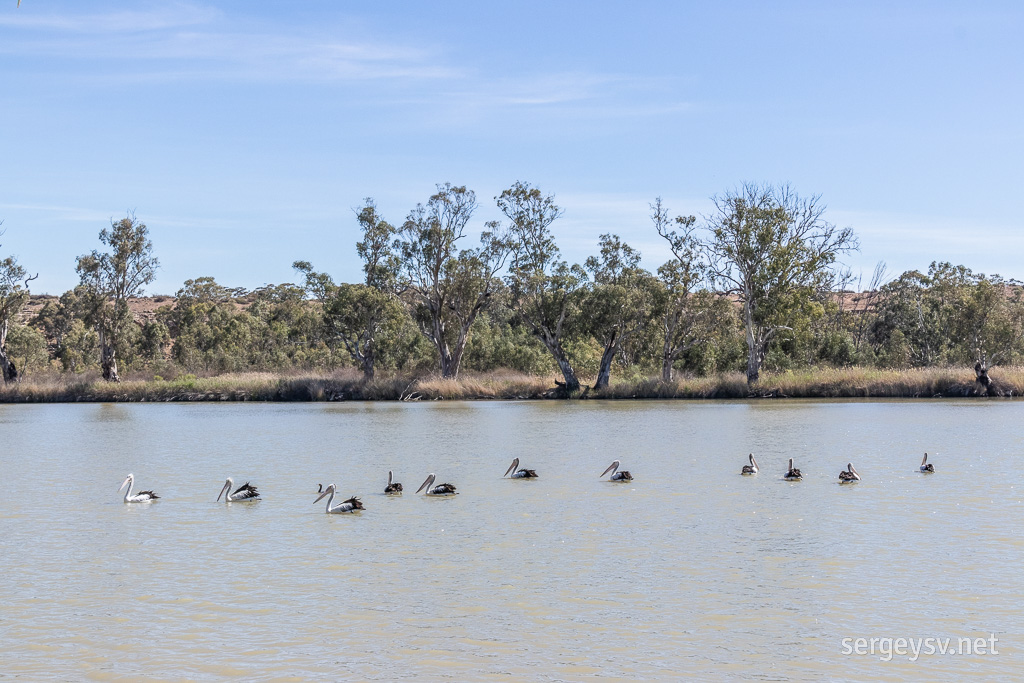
(850, 475)
(624, 475)
(245, 492)
(519, 473)
(751, 468)
(925, 465)
(353, 504)
(439, 490)
(393, 488)
(140, 497)
(793, 474)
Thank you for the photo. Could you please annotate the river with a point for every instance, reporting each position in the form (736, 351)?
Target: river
(688, 570)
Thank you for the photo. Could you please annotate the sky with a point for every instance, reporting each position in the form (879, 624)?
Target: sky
(244, 134)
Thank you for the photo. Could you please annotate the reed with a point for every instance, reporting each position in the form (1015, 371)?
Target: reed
(823, 383)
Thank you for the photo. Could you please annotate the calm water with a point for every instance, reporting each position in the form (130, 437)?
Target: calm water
(690, 569)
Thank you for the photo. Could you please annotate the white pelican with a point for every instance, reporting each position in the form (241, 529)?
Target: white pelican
(850, 475)
(350, 505)
(439, 490)
(751, 468)
(245, 492)
(140, 497)
(925, 465)
(520, 474)
(393, 487)
(793, 473)
(616, 475)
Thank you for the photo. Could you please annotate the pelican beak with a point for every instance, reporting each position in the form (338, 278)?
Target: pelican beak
(227, 487)
(327, 491)
(613, 466)
(429, 480)
(515, 464)
(125, 482)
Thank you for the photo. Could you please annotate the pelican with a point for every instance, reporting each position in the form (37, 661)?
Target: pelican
(751, 468)
(925, 465)
(519, 474)
(245, 492)
(350, 505)
(439, 490)
(850, 475)
(319, 488)
(793, 473)
(140, 497)
(393, 486)
(616, 475)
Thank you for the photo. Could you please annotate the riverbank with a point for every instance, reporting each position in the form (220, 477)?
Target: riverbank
(343, 386)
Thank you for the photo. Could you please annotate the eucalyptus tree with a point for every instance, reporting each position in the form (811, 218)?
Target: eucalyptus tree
(621, 300)
(775, 252)
(544, 290)
(360, 315)
(448, 288)
(109, 279)
(14, 294)
(990, 324)
(691, 314)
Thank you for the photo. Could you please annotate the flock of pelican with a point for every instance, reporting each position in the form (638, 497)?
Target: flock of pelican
(847, 476)
(248, 493)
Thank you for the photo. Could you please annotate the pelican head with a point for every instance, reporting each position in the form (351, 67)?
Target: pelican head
(227, 488)
(428, 482)
(512, 467)
(329, 491)
(127, 480)
(611, 468)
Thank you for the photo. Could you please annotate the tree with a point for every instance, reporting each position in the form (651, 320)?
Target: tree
(359, 315)
(62, 322)
(14, 294)
(775, 252)
(690, 314)
(448, 288)
(620, 302)
(109, 279)
(544, 290)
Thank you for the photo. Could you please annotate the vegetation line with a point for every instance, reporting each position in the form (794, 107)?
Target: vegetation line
(348, 386)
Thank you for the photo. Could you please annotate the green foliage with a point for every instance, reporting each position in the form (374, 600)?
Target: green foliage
(27, 347)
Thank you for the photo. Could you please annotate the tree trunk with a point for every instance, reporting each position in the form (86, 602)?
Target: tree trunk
(368, 365)
(667, 362)
(572, 384)
(983, 380)
(755, 358)
(9, 371)
(108, 360)
(604, 371)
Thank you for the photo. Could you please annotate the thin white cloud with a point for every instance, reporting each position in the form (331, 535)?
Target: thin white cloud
(173, 15)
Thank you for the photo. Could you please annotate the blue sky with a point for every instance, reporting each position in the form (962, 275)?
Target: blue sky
(244, 133)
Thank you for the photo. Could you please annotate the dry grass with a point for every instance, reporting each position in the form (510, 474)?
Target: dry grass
(348, 385)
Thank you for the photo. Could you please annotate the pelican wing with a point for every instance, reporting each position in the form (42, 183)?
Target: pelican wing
(245, 491)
